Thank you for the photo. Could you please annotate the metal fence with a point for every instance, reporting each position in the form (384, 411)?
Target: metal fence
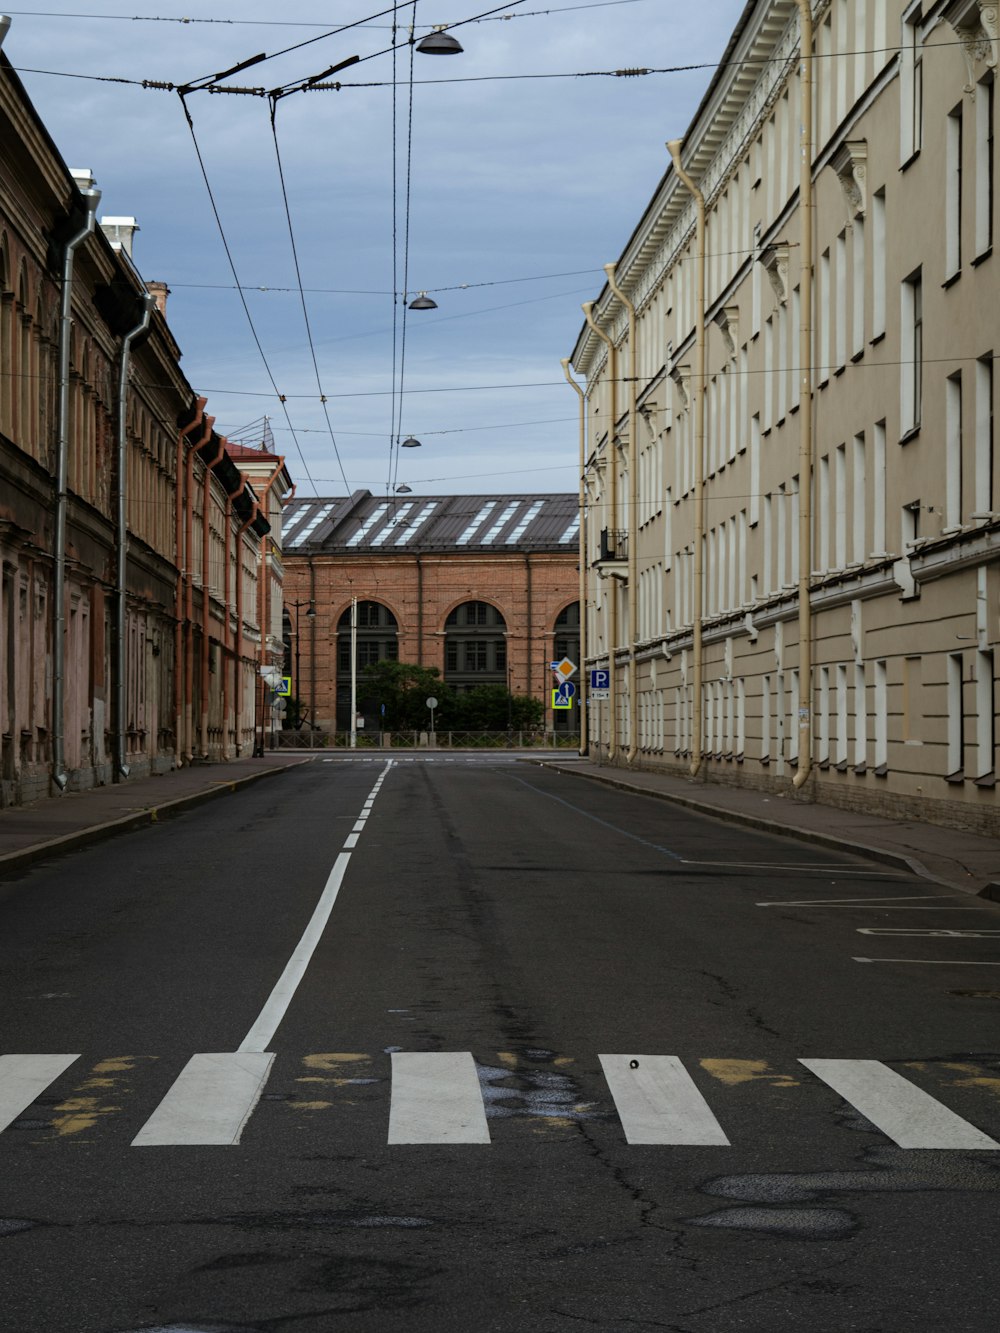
(318, 739)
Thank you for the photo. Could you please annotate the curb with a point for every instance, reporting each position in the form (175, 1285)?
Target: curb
(897, 859)
(40, 851)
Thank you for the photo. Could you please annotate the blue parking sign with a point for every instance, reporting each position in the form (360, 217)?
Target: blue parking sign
(600, 678)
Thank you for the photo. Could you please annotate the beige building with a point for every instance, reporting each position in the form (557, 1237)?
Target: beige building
(793, 544)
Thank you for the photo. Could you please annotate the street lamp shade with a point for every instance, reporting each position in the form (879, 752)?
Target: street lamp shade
(403, 489)
(311, 611)
(439, 43)
(410, 443)
(423, 302)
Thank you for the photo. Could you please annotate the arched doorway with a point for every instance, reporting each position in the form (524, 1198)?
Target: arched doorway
(377, 641)
(475, 647)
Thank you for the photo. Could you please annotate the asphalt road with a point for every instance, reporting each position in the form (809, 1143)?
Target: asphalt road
(467, 1044)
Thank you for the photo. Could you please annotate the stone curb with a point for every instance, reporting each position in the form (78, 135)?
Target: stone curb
(774, 826)
(40, 851)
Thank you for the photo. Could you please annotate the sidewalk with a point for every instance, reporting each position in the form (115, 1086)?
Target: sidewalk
(958, 860)
(45, 828)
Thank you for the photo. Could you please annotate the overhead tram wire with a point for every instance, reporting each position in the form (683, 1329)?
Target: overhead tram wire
(302, 295)
(246, 309)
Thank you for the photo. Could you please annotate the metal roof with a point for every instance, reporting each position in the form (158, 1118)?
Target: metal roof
(459, 523)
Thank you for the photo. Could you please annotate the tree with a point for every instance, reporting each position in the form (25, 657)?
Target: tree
(404, 689)
(491, 708)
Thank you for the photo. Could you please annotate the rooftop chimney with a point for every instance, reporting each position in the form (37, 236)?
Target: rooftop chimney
(119, 232)
(159, 292)
(84, 178)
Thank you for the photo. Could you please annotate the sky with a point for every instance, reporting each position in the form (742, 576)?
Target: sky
(481, 178)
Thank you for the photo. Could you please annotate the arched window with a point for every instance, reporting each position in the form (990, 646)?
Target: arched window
(377, 641)
(475, 646)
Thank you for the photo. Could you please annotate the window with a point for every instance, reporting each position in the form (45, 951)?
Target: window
(881, 719)
(858, 498)
(823, 739)
(911, 354)
(878, 264)
(858, 293)
(953, 451)
(860, 717)
(956, 718)
(840, 278)
(911, 90)
(878, 489)
(985, 466)
(984, 165)
(475, 650)
(985, 716)
(823, 318)
(953, 194)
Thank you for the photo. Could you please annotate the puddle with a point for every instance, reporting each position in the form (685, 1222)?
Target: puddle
(10, 1226)
(766, 1198)
(548, 1094)
(796, 1223)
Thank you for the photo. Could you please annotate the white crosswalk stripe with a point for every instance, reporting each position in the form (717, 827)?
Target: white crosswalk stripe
(905, 1113)
(445, 1097)
(23, 1078)
(209, 1103)
(657, 1101)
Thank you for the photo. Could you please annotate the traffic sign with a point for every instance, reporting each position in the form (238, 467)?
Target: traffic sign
(284, 687)
(600, 679)
(565, 668)
(562, 696)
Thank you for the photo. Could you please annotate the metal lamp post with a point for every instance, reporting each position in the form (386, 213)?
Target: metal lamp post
(310, 614)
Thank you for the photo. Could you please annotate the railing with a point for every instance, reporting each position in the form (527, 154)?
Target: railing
(614, 545)
(317, 739)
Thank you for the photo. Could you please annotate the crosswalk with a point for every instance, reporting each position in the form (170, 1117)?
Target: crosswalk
(448, 1097)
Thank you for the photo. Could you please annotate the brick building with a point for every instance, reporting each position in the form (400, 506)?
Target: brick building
(130, 542)
(485, 588)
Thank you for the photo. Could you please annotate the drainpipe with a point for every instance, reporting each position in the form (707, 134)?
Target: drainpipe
(209, 422)
(312, 643)
(674, 148)
(227, 638)
(206, 646)
(239, 629)
(633, 518)
(179, 591)
(121, 767)
(588, 310)
(806, 208)
(582, 568)
(60, 777)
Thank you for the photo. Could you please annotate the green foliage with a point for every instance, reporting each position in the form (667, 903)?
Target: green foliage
(404, 689)
(491, 708)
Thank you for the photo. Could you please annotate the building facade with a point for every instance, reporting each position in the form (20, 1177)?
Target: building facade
(792, 486)
(485, 588)
(129, 540)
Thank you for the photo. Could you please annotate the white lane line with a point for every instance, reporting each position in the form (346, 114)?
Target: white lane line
(436, 1099)
(861, 902)
(23, 1078)
(901, 1110)
(209, 1102)
(358, 826)
(260, 1035)
(351, 841)
(929, 962)
(937, 932)
(657, 1101)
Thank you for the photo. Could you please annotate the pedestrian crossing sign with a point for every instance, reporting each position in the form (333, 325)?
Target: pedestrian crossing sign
(284, 687)
(562, 696)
